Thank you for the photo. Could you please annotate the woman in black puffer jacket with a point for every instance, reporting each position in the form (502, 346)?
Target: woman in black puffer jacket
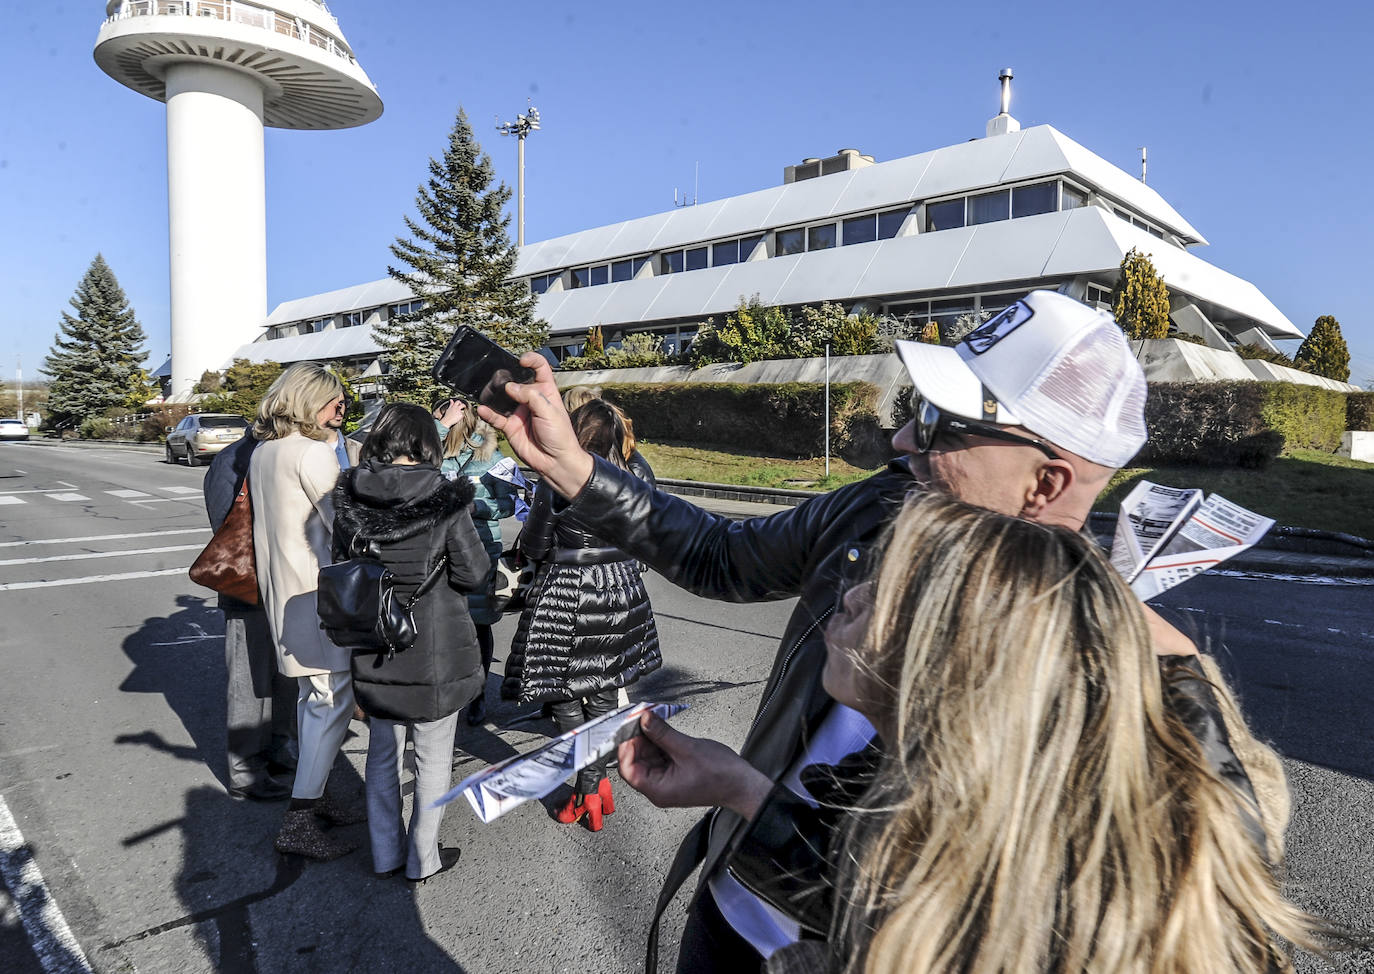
(397, 502)
(587, 629)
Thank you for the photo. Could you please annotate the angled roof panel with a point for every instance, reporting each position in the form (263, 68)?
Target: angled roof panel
(369, 295)
(827, 275)
(884, 184)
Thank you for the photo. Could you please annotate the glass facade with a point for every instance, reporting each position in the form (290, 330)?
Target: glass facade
(944, 216)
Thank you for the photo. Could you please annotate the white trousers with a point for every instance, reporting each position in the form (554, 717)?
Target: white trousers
(323, 710)
(393, 843)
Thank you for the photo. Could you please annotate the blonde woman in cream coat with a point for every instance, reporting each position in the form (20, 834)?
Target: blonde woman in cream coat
(293, 471)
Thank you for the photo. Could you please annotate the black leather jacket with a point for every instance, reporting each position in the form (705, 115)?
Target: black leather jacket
(801, 552)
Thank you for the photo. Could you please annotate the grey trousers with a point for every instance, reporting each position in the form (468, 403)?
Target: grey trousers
(260, 703)
(323, 711)
(393, 843)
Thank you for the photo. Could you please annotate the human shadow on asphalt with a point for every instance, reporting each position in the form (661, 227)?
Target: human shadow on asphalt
(254, 910)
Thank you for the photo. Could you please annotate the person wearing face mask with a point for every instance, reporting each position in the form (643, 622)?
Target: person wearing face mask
(1028, 416)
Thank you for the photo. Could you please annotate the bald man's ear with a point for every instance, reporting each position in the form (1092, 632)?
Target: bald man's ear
(1053, 480)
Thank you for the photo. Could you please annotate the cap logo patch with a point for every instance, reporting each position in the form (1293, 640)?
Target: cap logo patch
(999, 327)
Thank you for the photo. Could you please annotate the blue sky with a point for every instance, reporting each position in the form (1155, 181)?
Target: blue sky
(1255, 115)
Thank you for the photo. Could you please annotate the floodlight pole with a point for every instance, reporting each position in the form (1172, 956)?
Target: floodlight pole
(521, 127)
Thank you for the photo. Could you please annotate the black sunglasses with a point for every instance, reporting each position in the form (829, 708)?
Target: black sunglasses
(930, 422)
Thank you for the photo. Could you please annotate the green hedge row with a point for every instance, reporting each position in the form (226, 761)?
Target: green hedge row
(1359, 411)
(784, 419)
(1241, 424)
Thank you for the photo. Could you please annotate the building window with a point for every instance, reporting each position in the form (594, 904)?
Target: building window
(1033, 199)
(317, 325)
(944, 216)
(540, 284)
(1071, 197)
(671, 262)
(859, 229)
(625, 270)
(695, 259)
(747, 246)
(581, 276)
(890, 222)
(821, 237)
(725, 253)
(1099, 296)
(791, 242)
(413, 306)
(600, 274)
(988, 207)
(354, 319)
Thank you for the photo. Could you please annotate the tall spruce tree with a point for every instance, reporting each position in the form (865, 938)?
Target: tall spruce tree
(1140, 301)
(1324, 352)
(458, 259)
(97, 355)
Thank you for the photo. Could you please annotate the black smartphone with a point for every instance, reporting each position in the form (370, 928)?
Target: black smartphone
(478, 368)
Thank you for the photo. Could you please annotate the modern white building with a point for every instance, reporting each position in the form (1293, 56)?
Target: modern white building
(226, 68)
(964, 228)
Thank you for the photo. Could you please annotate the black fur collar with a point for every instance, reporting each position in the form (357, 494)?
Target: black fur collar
(354, 517)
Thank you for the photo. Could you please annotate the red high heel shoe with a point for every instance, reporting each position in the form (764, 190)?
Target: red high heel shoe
(570, 812)
(582, 806)
(603, 790)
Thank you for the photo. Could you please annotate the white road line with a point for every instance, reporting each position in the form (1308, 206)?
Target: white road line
(91, 579)
(51, 938)
(126, 494)
(162, 500)
(105, 537)
(86, 555)
(68, 497)
(12, 500)
(35, 490)
(181, 490)
(22, 473)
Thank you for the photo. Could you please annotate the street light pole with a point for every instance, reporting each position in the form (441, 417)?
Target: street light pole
(521, 127)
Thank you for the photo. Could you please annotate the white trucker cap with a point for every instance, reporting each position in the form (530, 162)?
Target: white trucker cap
(1059, 368)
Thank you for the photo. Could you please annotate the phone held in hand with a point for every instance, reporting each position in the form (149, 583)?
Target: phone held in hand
(478, 368)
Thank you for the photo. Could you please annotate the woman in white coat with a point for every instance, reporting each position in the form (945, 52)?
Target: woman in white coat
(292, 473)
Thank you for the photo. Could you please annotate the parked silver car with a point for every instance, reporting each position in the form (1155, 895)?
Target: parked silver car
(13, 429)
(199, 437)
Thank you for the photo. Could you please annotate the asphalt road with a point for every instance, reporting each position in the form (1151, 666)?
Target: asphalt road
(112, 735)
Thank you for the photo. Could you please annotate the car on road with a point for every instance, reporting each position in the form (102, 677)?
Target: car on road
(200, 436)
(13, 429)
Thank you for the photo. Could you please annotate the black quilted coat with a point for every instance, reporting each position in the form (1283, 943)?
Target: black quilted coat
(416, 517)
(588, 625)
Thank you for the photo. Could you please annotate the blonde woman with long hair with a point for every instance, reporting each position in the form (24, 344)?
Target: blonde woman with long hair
(291, 475)
(471, 453)
(1034, 800)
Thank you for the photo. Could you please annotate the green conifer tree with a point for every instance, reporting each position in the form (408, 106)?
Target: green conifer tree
(458, 259)
(97, 355)
(1324, 352)
(1140, 301)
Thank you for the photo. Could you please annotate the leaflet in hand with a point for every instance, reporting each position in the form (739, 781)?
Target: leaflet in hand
(496, 790)
(1166, 535)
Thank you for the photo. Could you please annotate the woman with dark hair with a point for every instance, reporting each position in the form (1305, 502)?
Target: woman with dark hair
(587, 629)
(396, 504)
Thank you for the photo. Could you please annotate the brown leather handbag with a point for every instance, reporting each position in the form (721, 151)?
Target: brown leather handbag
(227, 564)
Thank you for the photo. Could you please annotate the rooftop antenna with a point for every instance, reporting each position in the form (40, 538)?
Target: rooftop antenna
(1144, 155)
(685, 201)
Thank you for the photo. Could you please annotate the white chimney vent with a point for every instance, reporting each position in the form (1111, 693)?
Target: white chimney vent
(1002, 123)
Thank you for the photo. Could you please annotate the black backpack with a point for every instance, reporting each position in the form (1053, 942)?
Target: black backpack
(359, 608)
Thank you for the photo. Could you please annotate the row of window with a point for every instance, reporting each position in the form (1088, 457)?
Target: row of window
(349, 319)
(970, 210)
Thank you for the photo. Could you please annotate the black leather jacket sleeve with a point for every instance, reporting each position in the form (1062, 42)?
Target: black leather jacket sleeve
(536, 537)
(713, 556)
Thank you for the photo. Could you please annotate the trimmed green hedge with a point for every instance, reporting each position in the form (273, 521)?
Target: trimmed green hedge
(1359, 410)
(782, 419)
(1242, 424)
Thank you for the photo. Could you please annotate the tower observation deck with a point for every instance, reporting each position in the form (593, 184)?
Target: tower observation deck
(226, 68)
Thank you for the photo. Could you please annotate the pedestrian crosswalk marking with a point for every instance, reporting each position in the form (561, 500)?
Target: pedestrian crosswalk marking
(126, 494)
(68, 497)
(103, 537)
(10, 500)
(85, 555)
(180, 490)
(90, 579)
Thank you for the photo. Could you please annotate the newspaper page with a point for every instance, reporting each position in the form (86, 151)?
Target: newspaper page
(496, 790)
(1150, 515)
(1217, 530)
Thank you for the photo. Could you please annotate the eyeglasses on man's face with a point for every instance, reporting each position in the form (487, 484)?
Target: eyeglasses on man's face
(930, 422)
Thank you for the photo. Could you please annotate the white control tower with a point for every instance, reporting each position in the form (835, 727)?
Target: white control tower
(226, 68)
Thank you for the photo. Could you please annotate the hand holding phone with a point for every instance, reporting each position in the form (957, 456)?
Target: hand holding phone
(478, 368)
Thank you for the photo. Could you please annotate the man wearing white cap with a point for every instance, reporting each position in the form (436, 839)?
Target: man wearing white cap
(1030, 415)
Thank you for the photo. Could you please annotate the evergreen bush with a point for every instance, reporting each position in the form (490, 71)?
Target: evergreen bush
(1359, 411)
(1324, 351)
